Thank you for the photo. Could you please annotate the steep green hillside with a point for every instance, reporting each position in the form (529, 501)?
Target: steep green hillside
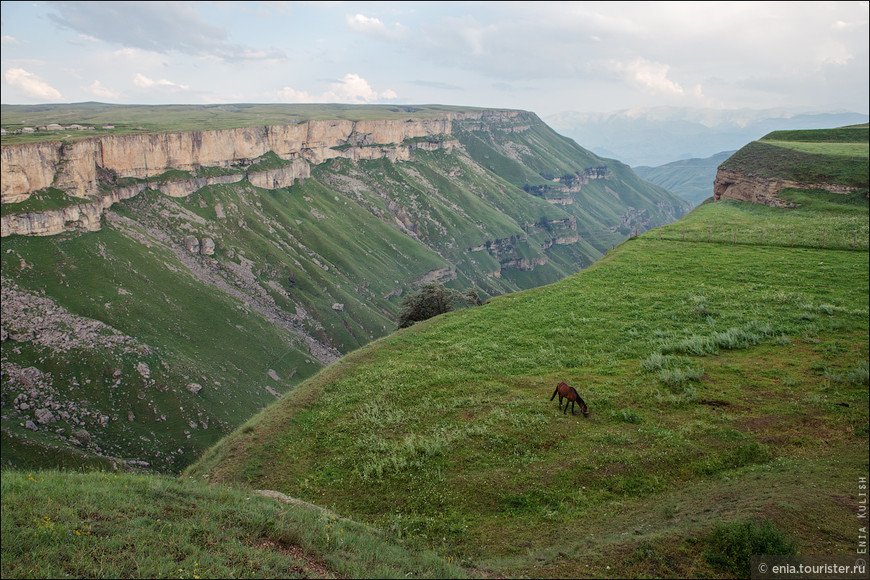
(691, 179)
(131, 344)
(724, 382)
(605, 196)
(836, 156)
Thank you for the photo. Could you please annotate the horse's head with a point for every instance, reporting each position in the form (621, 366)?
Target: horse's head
(583, 408)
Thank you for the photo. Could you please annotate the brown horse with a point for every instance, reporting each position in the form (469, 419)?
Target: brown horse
(569, 393)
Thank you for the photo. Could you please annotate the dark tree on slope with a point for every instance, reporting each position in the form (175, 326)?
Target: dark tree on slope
(433, 299)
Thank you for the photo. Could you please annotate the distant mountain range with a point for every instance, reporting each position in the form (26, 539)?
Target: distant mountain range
(659, 135)
(691, 179)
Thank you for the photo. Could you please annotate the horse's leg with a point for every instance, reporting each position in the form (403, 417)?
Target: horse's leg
(572, 406)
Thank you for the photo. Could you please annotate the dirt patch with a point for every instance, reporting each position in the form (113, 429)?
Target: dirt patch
(308, 566)
(715, 402)
(755, 424)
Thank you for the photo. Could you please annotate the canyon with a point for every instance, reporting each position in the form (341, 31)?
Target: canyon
(244, 260)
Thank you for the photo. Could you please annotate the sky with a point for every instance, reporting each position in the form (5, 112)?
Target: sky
(545, 57)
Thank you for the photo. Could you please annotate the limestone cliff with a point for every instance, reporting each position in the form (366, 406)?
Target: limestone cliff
(740, 186)
(730, 184)
(78, 168)
(88, 168)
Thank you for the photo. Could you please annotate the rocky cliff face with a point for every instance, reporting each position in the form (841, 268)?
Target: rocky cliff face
(78, 168)
(88, 168)
(738, 186)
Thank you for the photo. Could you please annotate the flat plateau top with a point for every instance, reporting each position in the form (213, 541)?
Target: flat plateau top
(133, 119)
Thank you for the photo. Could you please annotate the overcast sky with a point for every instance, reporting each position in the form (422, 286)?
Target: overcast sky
(546, 57)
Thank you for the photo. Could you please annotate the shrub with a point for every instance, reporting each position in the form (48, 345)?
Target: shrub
(730, 546)
(433, 299)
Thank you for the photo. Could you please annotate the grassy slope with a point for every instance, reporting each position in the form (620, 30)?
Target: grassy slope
(826, 156)
(465, 454)
(724, 382)
(193, 333)
(111, 525)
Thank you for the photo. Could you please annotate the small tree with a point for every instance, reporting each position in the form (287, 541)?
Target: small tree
(433, 299)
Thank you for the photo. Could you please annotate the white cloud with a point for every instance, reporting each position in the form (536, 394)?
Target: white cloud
(291, 95)
(650, 76)
(99, 91)
(352, 89)
(144, 82)
(32, 85)
(355, 89)
(9, 39)
(376, 28)
(833, 53)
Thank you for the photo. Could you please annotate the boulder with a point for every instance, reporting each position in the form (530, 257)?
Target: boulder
(44, 416)
(207, 247)
(191, 244)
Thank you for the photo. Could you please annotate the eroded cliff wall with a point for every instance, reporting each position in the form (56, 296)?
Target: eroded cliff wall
(90, 167)
(77, 168)
(730, 184)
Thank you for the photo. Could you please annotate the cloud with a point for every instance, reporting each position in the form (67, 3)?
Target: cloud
(291, 95)
(651, 76)
(9, 39)
(99, 91)
(144, 82)
(32, 85)
(351, 89)
(355, 89)
(155, 26)
(375, 28)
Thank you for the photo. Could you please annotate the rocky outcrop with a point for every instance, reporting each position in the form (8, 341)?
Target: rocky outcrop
(281, 177)
(738, 186)
(83, 216)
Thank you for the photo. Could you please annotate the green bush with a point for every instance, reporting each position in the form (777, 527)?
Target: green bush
(731, 545)
(433, 299)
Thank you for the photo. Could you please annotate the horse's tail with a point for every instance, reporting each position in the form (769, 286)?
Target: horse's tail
(555, 393)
